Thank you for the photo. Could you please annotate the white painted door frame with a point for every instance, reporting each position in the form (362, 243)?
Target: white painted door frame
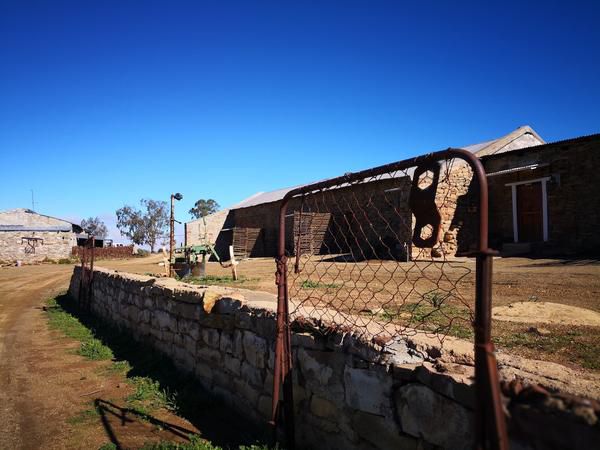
(515, 216)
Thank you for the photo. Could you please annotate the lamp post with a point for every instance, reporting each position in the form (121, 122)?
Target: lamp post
(174, 197)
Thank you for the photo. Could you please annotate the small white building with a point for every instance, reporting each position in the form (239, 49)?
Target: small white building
(28, 236)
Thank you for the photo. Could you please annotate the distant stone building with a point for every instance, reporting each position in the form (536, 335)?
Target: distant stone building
(28, 236)
(545, 200)
(251, 226)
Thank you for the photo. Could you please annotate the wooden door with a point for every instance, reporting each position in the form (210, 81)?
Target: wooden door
(529, 210)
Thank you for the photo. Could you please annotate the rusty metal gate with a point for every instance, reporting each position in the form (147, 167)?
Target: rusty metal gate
(87, 273)
(391, 254)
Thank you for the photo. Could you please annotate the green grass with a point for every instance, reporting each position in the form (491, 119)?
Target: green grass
(118, 367)
(148, 395)
(90, 347)
(108, 446)
(224, 279)
(575, 345)
(197, 443)
(84, 417)
(156, 384)
(443, 319)
(309, 284)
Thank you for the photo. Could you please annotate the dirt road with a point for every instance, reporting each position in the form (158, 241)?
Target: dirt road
(33, 397)
(51, 397)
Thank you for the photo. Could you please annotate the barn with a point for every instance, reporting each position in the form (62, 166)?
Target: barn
(544, 200)
(28, 236)
(251, 226)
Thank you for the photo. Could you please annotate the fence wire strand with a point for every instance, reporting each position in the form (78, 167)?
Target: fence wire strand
(354, 262)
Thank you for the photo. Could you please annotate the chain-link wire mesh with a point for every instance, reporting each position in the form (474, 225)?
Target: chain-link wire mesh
(381, 253)
(367, 254)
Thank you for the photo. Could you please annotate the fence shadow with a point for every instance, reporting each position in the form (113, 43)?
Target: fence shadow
(108, 410)
(218, 423)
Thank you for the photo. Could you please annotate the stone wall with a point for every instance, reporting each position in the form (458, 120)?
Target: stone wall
(573, 200)
(349, 392)
(56, 245)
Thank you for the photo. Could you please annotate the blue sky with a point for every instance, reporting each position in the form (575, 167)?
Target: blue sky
(104, 103)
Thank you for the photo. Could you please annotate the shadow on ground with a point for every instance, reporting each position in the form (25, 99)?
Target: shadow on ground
(565, 262)
(217, 423)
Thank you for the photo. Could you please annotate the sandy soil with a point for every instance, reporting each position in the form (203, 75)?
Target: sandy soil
(544, 312)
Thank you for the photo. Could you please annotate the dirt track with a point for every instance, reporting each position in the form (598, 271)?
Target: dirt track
(47, 391)
(33, 397)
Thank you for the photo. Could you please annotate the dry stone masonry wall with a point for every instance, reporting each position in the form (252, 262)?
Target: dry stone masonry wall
(53, 245)
(348, 393)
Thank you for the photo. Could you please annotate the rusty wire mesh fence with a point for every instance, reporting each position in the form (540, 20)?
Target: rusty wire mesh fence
(382, 254)
(385, 253)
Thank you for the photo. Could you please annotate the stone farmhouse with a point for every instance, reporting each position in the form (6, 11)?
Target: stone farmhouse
(29, 237)
(537, 191)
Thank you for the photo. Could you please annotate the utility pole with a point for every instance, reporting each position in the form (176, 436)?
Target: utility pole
(32, 202)
(174, 197)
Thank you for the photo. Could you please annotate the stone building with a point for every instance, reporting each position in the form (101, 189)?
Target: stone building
(545, 199)
(251, 226)
(28, 236)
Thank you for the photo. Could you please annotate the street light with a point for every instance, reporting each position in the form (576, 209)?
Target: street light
(174, 197)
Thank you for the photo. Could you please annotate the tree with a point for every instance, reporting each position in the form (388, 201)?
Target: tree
(203, 208)
(93, 226)
(145, 226)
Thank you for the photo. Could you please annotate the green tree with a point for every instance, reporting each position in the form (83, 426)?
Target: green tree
(146, 225)
(203, 208)
(93, 226)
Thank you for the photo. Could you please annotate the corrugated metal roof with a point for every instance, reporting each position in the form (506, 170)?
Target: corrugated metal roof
(33, 228)
(273, 196)
(14, 218)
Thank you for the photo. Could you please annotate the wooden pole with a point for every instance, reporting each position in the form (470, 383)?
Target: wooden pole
(233, 263)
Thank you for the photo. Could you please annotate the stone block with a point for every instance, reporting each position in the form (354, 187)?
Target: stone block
(238, 347)
(164, 321)
(189, 327)
(223, 379)
(321, 407)
(251, 374)
(204, 372)
(440, 420)
(211, 337)
(233, 365)
(244, 320)
(189, 344)
(255, 349)
(368, 390)
(246, 391)
(307, 340)
(208, 355)
(322, 373)
(226, 343)
(226, 305)
(381, 432)
(265, 406)
(188, 311)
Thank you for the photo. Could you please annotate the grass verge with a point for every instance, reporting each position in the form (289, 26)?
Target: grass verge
(155, 385)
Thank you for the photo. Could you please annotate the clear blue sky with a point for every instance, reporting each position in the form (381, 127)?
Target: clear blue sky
(103, 103)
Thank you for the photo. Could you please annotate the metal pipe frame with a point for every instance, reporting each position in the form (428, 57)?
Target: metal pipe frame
(490, 421)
